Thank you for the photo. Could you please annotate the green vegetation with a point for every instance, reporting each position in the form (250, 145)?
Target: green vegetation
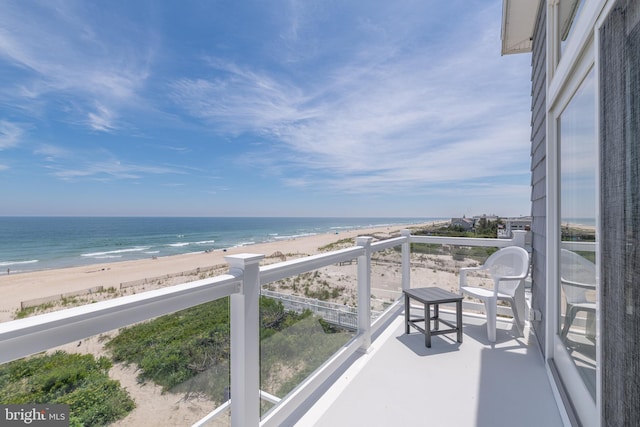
(80, 381)
(186, 352)
(68, 301)
(483, 229)
(340, 244)
(189, 351)
(28, 311)
(294, 352)
(477, 253)
(487, 228)
(173, 349)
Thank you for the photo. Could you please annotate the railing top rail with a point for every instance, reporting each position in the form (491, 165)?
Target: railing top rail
(20, 338)
(578, 246)
(462, 241)
(281, 270)
(388, 243)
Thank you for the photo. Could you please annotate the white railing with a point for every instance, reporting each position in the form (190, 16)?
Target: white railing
(21, 338)
(340, 315)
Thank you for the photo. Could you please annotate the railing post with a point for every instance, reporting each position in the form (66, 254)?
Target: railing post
(406, 260)
(519, 238)
(364, 292)
(245, 336)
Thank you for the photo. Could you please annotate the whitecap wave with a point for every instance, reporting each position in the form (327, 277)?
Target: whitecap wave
(295, 236)
(119, 251)
(179, 244)
(204, 242)
(8, 263)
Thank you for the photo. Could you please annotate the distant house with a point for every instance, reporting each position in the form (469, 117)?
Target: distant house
(521, 223)
(465, 224)
(488, 218)
(512, 224)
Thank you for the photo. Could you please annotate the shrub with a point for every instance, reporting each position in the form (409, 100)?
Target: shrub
(80, 381)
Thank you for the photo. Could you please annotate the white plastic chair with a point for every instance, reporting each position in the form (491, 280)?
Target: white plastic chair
(577, 277)
(508, 268)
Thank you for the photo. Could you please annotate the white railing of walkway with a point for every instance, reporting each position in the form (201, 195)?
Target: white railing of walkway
(23, 337)
(340, 315)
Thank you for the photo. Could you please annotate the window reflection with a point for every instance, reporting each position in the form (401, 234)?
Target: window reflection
(568, 12)
(577, 290)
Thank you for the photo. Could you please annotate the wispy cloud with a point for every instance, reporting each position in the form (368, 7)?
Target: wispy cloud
(102, 119)
(99, 165)
(389, 117)
(10, 135)
(61, 49)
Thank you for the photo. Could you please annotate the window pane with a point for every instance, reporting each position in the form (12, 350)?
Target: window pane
(577, 290)
(569, 10)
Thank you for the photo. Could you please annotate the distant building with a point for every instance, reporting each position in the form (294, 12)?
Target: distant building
(512, 224)
(465, 224)
(492, 217)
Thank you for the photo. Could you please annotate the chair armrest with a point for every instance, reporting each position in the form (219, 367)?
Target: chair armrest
(463, 275)
(520, 277)
(577, 284)
(498, 279)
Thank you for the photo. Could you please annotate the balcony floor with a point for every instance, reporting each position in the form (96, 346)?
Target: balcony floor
(476, 383)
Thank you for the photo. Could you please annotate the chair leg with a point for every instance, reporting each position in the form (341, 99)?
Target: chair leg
(519, 307)
(491, 306)
(518, 311)
(570, 314)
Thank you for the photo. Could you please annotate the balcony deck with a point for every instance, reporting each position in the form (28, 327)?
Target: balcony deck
(476, 383)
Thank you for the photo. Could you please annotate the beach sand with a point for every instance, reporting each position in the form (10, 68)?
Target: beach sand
(157, 408)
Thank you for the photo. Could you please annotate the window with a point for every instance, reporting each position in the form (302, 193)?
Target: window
(568, 11)
(578, 165)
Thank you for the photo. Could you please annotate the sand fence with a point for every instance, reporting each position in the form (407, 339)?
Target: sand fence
(158, 280)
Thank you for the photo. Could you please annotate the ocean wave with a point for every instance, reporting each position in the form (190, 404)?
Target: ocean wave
(204, 242)
(182, 244)
(152, 252)
(179, 244)
(294, 236)
(8, 263)
(119, 251)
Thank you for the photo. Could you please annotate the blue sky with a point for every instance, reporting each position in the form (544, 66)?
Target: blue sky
(265, 108)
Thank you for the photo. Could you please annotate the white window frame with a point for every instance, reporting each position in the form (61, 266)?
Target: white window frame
(564, 76)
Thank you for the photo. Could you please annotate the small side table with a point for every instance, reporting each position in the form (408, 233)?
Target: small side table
(432, 296)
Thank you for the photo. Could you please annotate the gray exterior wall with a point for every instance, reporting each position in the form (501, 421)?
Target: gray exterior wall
(538, 171)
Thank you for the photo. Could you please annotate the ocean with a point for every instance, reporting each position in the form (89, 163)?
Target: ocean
(41, 243)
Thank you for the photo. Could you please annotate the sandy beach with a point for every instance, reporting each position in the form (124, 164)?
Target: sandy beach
(18, 288)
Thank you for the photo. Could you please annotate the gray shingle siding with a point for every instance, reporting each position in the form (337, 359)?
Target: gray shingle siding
(538, 171)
